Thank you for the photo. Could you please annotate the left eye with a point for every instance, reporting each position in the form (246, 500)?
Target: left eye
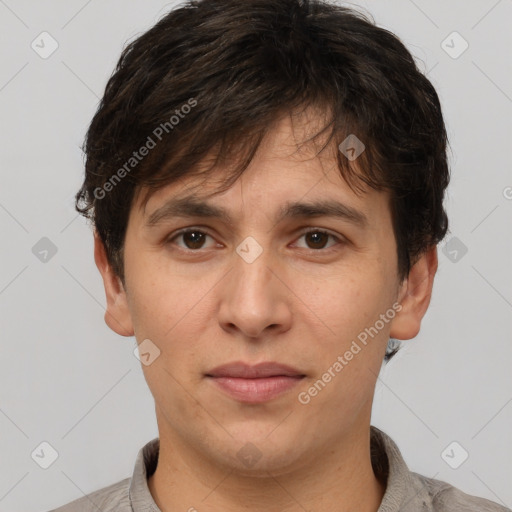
(318, 239)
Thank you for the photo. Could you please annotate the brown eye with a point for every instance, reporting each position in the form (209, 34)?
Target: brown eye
(317, 239)
(190, 239)
(193, 239)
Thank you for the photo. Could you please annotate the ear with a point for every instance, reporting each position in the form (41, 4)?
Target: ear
(414, 296)
(117, 314)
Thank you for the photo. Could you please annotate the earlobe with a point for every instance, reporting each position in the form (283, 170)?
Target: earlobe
(117, 313)
(414, 296)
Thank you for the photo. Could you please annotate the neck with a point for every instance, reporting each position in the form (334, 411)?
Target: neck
(340, 479)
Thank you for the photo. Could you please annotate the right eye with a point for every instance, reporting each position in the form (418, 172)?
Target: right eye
(192, 238)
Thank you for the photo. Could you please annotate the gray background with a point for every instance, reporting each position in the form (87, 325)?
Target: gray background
(66, 379)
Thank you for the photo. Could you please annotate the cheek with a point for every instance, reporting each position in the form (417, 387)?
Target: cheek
(345, 303)
(173, 311)
(350, 354)
(156, 302)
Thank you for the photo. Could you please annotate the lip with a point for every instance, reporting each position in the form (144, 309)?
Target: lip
(243, 370)
(255, 383)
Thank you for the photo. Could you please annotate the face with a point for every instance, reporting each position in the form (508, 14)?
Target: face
(271, 280)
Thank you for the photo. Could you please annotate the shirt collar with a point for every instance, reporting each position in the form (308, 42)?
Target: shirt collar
(140, 498)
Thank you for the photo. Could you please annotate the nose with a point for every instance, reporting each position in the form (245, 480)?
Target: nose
(254, 300)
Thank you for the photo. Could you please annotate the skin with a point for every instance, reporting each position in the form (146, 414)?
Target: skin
(295, 304)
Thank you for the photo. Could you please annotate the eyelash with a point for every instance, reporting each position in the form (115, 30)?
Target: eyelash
(184, 231)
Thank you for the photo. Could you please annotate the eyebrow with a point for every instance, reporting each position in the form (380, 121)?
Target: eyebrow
(192, 207)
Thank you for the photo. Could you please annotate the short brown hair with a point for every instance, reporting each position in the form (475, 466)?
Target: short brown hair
(215, 75)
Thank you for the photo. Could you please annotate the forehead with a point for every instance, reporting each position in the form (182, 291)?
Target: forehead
(290, 172)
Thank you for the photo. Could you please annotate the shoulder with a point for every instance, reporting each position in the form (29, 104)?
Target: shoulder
(407, 491)
(443, 497)
(115, 497)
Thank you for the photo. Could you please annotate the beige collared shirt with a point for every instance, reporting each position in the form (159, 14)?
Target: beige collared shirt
(405, 491)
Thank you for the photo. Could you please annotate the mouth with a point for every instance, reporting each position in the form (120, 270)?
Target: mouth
(255, 384)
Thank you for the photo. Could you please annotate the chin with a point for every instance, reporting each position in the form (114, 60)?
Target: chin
(257, 457)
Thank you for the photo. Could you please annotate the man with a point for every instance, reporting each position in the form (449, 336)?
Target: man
(266, 183)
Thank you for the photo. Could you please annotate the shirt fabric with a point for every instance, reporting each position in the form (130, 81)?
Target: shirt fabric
(405, 491)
